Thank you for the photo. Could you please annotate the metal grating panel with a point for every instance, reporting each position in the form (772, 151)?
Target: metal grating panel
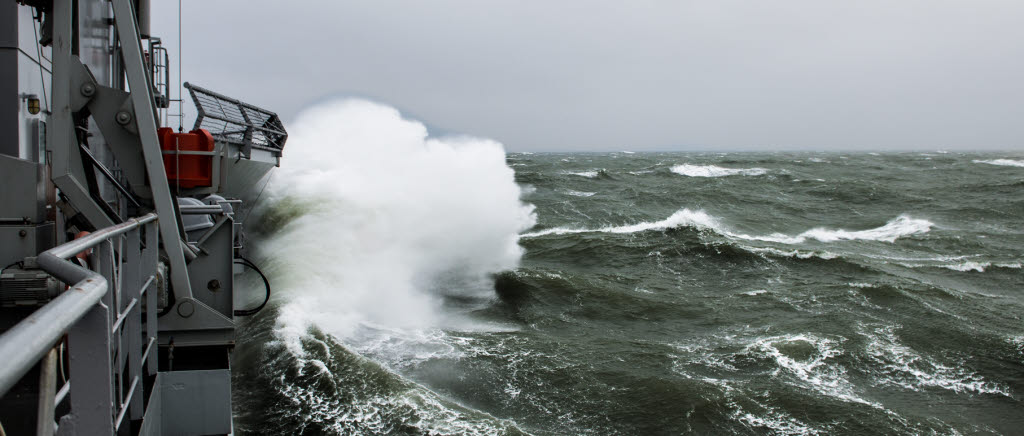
(235, 122)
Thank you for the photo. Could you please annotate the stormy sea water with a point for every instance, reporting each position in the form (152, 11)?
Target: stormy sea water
(440, 286)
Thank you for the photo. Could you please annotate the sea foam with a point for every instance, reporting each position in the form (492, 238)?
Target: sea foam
(906, 368)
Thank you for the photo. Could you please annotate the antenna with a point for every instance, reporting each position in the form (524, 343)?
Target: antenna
(181, 101)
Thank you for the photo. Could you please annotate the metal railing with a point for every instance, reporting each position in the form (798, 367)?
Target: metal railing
(101, 312)
(236, 122)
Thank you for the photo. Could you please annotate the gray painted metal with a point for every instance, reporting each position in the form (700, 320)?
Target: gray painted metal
(212, 272)
(67, 170)
(47, 392)
(17, 247)
(22, 196)
(200, 210)
(152, 421)
(145, 120)
(27, 342)
(196, 402)
(9, 89)
(236, 122)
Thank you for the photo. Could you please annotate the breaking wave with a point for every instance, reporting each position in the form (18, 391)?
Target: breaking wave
(377, 246)
(590, 174)
(715, 171)
(899, 227)
(1001, 162)
(890, 232)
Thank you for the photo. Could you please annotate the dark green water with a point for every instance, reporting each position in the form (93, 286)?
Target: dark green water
(675, 293)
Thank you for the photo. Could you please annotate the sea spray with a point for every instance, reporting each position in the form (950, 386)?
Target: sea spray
(391, 221)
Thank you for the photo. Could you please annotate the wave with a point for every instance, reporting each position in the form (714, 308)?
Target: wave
(796, 254)
(908, 369)
(899, 227)
(890, 232)
(590, 174)
(967, 265)
(1001, 162)
(715, 171)
(682, 218)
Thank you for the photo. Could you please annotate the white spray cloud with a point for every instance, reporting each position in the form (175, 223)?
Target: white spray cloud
(391, 220)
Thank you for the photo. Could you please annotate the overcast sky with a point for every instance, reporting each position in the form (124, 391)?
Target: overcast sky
(632, 75)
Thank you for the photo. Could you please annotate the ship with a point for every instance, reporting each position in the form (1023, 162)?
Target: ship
(121, 238)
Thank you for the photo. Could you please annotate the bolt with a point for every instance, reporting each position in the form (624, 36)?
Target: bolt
(213, 285)
(22, 233)
(88, 89)
(123, 117)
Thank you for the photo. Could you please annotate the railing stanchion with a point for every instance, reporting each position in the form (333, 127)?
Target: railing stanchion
(47, 392)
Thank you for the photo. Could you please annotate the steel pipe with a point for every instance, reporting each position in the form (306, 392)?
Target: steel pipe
(25, 343)
(200, 210)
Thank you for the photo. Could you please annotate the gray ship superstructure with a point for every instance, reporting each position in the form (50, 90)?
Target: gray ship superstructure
(120, 238)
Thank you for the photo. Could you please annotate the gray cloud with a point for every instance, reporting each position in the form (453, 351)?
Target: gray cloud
(643, 75)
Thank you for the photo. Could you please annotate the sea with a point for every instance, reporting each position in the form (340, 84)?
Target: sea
(444, 286)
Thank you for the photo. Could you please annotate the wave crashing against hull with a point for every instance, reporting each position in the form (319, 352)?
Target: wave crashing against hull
(392, 220)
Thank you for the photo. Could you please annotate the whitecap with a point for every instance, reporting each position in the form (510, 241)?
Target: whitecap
(797, 254)
(897, 228)
(1001, 162)
(962, 266)
(590, 174)
(894, 229)
(715, 171)
(681, 218)
(968, 266)
(776, 421)
(578, 193)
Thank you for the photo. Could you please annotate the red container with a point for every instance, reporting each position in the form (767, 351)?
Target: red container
(183, 169)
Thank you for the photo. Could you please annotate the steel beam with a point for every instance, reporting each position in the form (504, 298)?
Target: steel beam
(145, 120)
(68, 172)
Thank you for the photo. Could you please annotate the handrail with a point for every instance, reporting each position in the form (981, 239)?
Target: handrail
(25, 343)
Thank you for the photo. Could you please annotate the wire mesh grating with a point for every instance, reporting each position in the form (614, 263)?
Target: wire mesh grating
(235, 122)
